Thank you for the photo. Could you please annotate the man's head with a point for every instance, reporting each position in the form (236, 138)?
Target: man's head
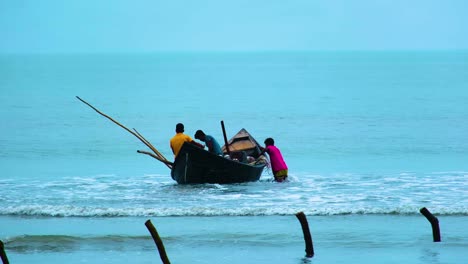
(269, 142)
(200, 135)
(179, 128)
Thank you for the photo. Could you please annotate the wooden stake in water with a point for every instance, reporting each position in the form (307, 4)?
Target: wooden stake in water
(434, 223)
(307, 237)
(158, 241)
(3, 254)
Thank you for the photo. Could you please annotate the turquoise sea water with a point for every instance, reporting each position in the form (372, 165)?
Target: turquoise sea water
(369, 137)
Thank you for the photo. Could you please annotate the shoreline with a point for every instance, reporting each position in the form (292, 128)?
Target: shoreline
(337, 239)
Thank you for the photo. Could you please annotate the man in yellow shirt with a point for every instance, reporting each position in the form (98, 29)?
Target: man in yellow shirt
(178, 140)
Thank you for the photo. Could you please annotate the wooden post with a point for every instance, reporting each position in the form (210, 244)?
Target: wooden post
(158, 241)
(225, 138)
(434, 223)
(3, 254)
(307, 237)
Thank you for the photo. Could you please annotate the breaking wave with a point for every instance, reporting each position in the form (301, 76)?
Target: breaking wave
(76, 211)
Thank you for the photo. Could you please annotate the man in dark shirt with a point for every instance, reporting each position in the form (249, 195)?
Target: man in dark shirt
(211, 143)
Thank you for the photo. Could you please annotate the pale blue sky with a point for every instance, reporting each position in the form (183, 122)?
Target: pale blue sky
(236, 25)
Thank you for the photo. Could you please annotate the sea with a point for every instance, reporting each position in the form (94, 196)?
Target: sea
(370, 138)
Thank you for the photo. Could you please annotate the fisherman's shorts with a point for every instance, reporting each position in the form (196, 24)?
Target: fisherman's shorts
(280, 175)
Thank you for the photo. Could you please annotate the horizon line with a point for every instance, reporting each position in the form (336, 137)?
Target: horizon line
(258, 51)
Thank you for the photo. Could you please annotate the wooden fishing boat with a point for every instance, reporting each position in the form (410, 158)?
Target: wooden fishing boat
(241, 162)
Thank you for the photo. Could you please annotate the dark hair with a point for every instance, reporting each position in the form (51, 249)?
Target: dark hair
(179, 128)
(199, 134)
(269, 142)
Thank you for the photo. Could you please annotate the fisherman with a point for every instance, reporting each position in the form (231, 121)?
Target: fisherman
(278, 166)
(211, 143)
(178, 140)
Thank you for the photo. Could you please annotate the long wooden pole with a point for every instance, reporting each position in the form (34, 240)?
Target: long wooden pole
(159, 157)
(144, 141)
(225, 138)
(149, 143)
(158, 241)
(156, 157)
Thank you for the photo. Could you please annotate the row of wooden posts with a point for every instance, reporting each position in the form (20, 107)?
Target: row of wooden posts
(309, 248)
(301, 216)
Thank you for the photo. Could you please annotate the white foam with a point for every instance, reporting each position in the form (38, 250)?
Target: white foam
(68, 211)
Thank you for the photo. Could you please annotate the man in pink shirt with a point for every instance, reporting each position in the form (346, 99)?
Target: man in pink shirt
(278, 166)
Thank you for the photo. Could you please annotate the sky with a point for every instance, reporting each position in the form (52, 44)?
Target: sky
(61, 26)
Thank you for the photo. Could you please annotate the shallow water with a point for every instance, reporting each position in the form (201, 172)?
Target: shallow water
(369, 137)
(234, 239)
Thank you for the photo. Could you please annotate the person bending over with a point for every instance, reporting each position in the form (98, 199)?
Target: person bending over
(278, 166)
(211, 143)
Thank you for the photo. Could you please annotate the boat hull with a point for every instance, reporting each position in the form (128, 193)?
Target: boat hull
(195, 165)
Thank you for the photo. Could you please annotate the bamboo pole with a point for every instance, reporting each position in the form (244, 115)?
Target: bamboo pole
(434, 223)
(3, 254)
(158, 241)
(144, 141)
(147, 142)
(161, 156)
(307, 237)
(168, 163)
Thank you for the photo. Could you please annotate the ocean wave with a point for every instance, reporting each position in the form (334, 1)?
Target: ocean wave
(76, 211)
(66, 243)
